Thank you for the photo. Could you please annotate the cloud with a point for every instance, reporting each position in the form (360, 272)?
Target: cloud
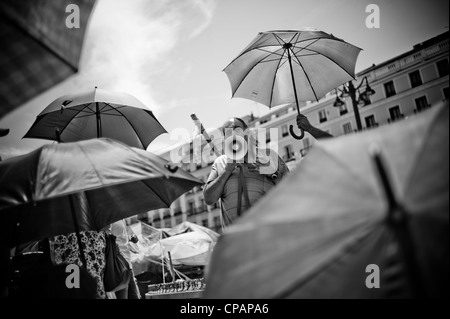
(127, 42)
(206, 9)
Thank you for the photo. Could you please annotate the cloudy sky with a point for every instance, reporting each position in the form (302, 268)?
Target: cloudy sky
(170, 53)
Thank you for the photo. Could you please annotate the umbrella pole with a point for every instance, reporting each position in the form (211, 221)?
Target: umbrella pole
(99, 121)
(287, 47)
(172, 272)
(204, 133)
(162, 259)
(77, 231)
(58, 135)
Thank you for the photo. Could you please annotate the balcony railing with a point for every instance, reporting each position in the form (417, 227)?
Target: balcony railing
(423, 108)
(395, 118)
(372, 125)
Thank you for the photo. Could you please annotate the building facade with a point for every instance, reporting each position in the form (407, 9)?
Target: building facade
(404, 86)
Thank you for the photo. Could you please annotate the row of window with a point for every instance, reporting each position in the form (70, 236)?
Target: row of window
(415, 78)
(394, 114)
(389, 88)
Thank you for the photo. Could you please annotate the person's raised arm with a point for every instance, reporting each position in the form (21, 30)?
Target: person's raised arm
(215, 184)
(303, 123)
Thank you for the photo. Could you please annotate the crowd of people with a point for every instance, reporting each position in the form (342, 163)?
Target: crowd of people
(40, 267)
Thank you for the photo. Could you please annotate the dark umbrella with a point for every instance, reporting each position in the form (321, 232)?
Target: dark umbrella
(97, 113)
(87, 185)
(38, 49)
(321, 233)
(281, 67)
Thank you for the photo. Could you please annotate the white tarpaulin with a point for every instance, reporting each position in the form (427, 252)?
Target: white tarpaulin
(188, 243)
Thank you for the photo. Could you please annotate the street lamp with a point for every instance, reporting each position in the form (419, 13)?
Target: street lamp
(363, 98)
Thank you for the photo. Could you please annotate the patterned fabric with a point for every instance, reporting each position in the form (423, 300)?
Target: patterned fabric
(38, 50)
(64, 250)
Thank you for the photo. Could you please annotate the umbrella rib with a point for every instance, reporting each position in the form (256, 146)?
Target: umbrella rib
(156, 193)
(322, 38)
(284, 62)
(305, 48)
(103, 107)
(270, 60)
(69, 109)
(85, 115)
(416, 162)
(332, 60)
(271, 52)
(243, 78)
(92, 165)
(297, 34)
(87, 105)
(249, 50)
(271, 45)
(275, 77)
(279, 40)
(139, 138)
(312, 54)
(68, 122)
(113, 107)
(111, 114)
(116, 107)
(307, 77)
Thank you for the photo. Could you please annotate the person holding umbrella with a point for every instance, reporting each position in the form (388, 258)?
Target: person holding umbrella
(303, 124)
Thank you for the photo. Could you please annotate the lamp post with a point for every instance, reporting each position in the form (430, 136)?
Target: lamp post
(363, 98)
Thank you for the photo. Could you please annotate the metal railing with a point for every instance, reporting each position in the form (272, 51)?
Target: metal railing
(396, 118)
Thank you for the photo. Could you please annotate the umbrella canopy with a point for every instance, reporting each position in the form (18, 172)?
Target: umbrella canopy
(281, 67)
(316, 234)
(105, 180)
(97, 113)
(38, 49)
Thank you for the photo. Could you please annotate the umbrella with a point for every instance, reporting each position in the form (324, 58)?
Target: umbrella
(338, 216)
(280, 67)
(97, 113)
(38, 49)
(87, 185)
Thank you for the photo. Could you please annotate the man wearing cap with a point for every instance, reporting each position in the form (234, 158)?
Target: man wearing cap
(239, 184)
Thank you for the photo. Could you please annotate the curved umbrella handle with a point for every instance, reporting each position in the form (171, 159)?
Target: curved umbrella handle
(291, 130)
